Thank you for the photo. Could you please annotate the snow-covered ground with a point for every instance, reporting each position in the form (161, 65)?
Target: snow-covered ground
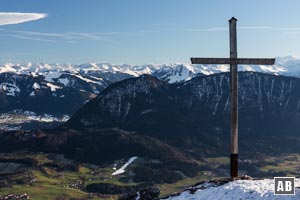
(239, 190)
(122, 169)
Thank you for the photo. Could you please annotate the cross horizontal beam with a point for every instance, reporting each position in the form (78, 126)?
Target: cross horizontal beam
(239, 61)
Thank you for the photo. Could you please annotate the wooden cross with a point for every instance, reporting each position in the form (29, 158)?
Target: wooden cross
(233, 61)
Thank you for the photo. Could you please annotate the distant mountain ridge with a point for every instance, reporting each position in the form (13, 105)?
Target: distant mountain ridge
(63, 95)
(176, 72)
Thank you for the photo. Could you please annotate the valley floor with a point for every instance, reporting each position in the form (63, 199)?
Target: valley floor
(26, 120)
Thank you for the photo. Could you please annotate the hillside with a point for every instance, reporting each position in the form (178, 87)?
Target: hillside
(194, 115)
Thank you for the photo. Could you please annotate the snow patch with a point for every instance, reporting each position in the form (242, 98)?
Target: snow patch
(53, 87)
(32, 94)
(138, 196)
(10, 88)
(122, 169)
(47, 118)
(36, 86)
(87, 80)
(49, 76)
(240, 189)
(64, 81)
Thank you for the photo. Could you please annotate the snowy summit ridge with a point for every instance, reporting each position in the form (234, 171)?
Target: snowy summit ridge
(237, 190)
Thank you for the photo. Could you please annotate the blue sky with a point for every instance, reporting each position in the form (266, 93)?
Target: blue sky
(147, 31)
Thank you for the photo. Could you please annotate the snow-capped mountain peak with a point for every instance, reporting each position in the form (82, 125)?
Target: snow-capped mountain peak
(176, 72)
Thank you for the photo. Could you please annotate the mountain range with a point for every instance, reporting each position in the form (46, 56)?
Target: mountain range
(179, 123)
(288, 65)
(63, 89)
(32, 92)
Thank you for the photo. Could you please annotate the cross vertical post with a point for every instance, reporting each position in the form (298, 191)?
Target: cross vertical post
(233, 100)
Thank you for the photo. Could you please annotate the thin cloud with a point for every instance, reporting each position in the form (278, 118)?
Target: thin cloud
(71, 36)
(68, 36)
(7, 18)
(32, 38)
(34, 33)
